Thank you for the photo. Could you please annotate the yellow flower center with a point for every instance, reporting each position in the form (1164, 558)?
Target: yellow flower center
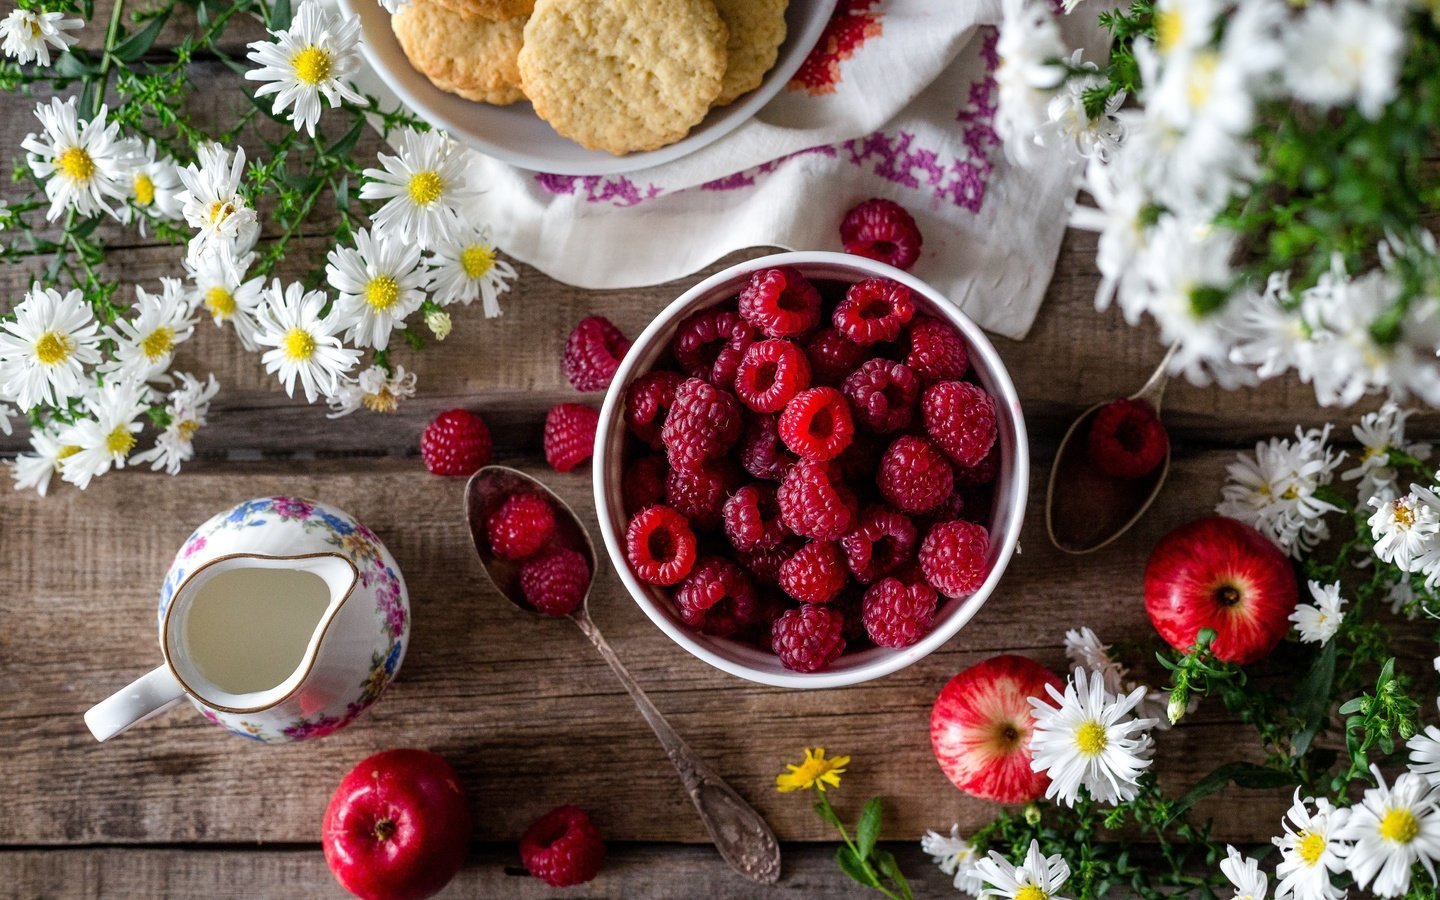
(1031, 892)
(144, 190)
(299, 345)
(1310, 846)
(220, 302)
(220, 211)
(477, 260)
(159, 343)
(187, 429)
(1404, 515)
(312, 65)
(120, 441)
(382, 401)
(1169, 28)
(1090, 738)
(76, 164)
(1399, 826)
(65, 453)
(425, 187)
(1202, 77)
(382, 292)
(35, 30)
(53, 347)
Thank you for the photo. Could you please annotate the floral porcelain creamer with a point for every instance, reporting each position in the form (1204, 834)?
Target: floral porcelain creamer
(281, 619)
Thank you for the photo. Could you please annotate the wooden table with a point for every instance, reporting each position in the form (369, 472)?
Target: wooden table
(528, 714)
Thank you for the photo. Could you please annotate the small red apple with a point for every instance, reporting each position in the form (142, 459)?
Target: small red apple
(398, 826)
(980, 727)
(1219, 573)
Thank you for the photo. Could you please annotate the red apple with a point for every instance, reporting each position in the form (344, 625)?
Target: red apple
(980, 727)
(397, 827)
(1218, 573)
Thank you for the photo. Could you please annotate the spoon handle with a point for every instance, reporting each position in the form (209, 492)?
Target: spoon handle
(740, 834)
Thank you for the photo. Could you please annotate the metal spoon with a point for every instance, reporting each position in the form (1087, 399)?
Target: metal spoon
(740, 834)
(1085, 509)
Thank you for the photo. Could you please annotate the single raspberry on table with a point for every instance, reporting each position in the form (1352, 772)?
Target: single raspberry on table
(883, 541)
(981, 473)
(809, 637)
(953, 557)
(647, 401)
(761, 452)
(813, 505)
(882, 230)
(937, 352)
(563, 848)
(643, 483)
(710, 343)
(882, 394)
(873, 311)
(1127, 439)
(699, 494)
(770, 373)
(455, 443)
(897, 614)
(521, 526)
(660, 545)
(780, 302)
(815, 573)
(914, 475)
(960, 418)
(832, 356)
(752, 519)
(703, 424)
(816, 424)
(555, 582)
(569, 435)
(717, 598)
(593, 353)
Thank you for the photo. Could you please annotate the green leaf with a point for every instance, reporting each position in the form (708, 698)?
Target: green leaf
(136, 45)
(75, 65)
(1311, 704)
(1242, 774)
(347, 143)
(854, 867)
(867, 832)
(279, 15)
(890, 868)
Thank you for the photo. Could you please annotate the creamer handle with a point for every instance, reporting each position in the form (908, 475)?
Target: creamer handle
(144, 698)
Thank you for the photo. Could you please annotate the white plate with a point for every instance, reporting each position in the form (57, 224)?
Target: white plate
(515, 135)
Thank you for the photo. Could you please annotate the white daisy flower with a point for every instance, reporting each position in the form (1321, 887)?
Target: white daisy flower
(956, 857)
(1309, 852)
(306, 62)
(375, 390)
(305, 343)
(145, 344)
(380, 283)
(467, 267)
(1380, 432)
(1118, 215)
(219, 287)
(1318, 622)
(424, 187)
(1270, 335)
(1344, 52)
(1425, 751)
(83, 163)
(153, 185)
(1088, 739)
(107, 436)
(29, 35)
(1039, 877)
(1244, 873)
(1391, 828)
(1031, 68)
(33, 470)
(1274, 491)
(212, 203)
(44, 349)
(186, 406)
(1404, 529)
(1070, 125)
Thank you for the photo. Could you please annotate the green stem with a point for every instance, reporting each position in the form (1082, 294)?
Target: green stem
(112, 31)
(845, 836)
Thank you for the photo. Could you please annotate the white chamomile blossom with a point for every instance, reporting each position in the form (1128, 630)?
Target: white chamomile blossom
(1425, 751)
(306, 62)
(1244, 875)
(220, 288)
(153, 185)
(1380, 433)
(1270, 335)
(213, 204)
(956, 857)
(1088, 739)
(44, 349)
(375, 390)
(1038, 877)
(145, 344)
(1389, 830)
(1071, 125)
(423, 185)
(1275, 490)
(305, 343)
(33, 470)
(1085, 650)
(1346, 51)
(1031, 54)
(107, 436)
(29, 35)
(1317, 623)
(83, 163)
(380, 282)
(1309, 852)
(466, 267)
(1118, 215)
(1405, 528)
(186, 406)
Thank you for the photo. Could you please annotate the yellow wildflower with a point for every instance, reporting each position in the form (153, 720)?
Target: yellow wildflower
(815, 772)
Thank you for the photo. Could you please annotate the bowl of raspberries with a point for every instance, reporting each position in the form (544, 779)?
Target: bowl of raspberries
(811, 469)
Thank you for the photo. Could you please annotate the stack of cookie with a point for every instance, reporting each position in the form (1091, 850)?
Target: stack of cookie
(614, 75)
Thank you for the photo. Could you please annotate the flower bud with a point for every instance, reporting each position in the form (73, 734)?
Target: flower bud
(1032, 814)
(439, 323)
(1178, 702)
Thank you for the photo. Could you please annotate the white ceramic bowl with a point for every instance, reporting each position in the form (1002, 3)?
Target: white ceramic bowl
(744, 660)
(514, 134)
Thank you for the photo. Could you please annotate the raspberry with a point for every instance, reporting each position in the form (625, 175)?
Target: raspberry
(569, 435)
(832, 356)
(882, 230)
(522, 525)
(813, 506)
(883, 541)
(983, 472)
(1127, 439)
(703, 424)
(593, 353)
(563, 848)
(660, 545)
(816, 424)
(896, 614)
(717, 598)
(764, 565)
(937, 351)
(555, 583)
(647, 400)
(960, 418)
(770, 373)
(882, 394)
(953, 557)
(710, 343)
(455, 443)
(874, 310)
(860, 459)
(761, 453)
(700, 495)
(752, 519)
(815, 574)
(914, 475)
(808, 638)
(643, 483)
(780, 302)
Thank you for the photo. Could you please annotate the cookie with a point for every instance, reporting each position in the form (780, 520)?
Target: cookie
(757, 29)
(474, 58)
(494, 10)
(623, 75)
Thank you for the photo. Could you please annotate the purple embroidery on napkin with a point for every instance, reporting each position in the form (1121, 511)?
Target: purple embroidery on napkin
(619, 191)
(748, 177)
